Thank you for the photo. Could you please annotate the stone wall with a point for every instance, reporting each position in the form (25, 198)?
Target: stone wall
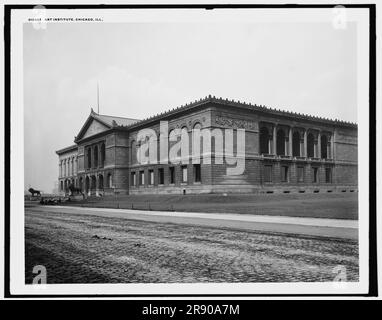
(320, 165)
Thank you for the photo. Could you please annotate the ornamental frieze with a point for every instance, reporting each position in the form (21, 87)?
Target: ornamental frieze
(236, 123)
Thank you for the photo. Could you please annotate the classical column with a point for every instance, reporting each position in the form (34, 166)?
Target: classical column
(328, 151)
(270, 144)
(319, 145)
(302, 146)
(305, 144)
(286, 150)
(290, 149)
(274, 140)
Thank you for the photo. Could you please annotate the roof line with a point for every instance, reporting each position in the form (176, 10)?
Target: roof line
(238, 103)
(63, 150)
(105, 115)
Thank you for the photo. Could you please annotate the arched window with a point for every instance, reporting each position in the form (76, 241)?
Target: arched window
(87, 184)
(93, 182)
(62, 186)
(324, 147)
(80, 183)
(103, 155)
(280, 142)
(264, 141)
(89, 156)
(185, 143)
(197, 125)
(100, 182)
(171, 138)
(296, 144)
(96, 156)
(310, 146)
(66, 167)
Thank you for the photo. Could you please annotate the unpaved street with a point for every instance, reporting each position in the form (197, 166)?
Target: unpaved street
(86, 248)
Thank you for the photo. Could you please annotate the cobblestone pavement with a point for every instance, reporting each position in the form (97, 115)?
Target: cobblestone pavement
(77, 248)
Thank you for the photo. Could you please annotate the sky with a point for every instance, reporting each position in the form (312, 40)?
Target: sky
(146, 68)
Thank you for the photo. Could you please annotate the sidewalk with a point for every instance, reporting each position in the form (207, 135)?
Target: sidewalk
(336, 228)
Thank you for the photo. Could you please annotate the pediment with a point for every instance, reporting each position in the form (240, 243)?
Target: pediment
(94, 128)
(91, 128)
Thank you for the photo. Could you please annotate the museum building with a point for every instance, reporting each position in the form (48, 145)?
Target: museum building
(284, 152)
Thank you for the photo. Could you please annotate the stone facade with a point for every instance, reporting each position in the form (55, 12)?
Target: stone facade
(284, 152)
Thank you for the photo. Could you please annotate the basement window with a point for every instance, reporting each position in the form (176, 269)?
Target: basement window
(133, 180)
(184, 173)
(284, 173)
(172, 175)
(268, 173)
(315, 175)
(151, 177)
(161, 176)
(141, 178)
(197, 173)
(328, 175)
(300, 174)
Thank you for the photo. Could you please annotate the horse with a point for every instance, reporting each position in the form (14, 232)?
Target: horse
(33, 192)
(74, 189)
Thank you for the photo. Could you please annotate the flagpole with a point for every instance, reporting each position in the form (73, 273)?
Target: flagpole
(97, 97)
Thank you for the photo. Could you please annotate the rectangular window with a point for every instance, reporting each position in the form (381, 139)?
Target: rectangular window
(133, 181)
(184, 173)
(197, 173)
(161, 176)
(328, 175)
(141, 178)
(284, 173)
(300, 174)
(151, 177)
(315, 175)
(268, 173)
(172, 175)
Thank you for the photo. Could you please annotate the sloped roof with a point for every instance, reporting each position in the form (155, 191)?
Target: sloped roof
(239, 104)
(120, 121)
(108, 121)
(67, 149)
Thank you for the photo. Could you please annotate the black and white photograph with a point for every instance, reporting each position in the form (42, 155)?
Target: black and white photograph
(217, 151)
